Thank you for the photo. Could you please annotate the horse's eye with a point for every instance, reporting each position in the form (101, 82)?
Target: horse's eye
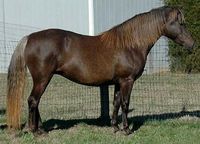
(172, 23)
(182, 24)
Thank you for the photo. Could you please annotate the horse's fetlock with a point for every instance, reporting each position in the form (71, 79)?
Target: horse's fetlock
(32, 102)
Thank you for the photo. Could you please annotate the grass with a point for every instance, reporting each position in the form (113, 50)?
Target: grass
(153, 94)
(151, 132)
(162, 96)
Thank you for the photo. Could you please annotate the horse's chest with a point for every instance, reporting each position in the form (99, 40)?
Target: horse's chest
(131, 64)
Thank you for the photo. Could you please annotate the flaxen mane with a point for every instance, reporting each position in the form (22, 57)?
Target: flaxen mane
(141, 30)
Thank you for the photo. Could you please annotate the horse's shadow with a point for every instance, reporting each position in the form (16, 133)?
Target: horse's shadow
(54, 124)
(2, 126)
(136, 121)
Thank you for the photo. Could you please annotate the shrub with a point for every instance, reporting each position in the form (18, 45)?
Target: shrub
(180, 58)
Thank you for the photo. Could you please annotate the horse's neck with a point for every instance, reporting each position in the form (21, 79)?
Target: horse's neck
(145, 48)
(147, 29)
(150, 45)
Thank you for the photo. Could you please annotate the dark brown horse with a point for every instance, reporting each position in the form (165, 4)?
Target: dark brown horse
(117, 57)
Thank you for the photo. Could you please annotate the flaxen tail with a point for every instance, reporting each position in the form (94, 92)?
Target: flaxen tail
(15, 85)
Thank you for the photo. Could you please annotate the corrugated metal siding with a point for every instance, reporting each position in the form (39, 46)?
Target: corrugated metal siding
(65, 14)
(108, 13)
(23, 17)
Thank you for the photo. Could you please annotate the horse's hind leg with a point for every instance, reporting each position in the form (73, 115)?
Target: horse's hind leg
(39, 86)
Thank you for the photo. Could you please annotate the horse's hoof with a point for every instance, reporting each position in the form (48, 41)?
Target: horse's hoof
(26, 130)
(40, 132)
(127, 131)
(116, 128)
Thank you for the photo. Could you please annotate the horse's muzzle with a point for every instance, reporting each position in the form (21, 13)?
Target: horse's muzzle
(191, 48)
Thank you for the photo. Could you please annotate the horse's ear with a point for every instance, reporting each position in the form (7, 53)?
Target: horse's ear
(173, 14)
(180, 17)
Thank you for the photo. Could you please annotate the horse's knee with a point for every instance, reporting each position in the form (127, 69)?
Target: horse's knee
(116, 101)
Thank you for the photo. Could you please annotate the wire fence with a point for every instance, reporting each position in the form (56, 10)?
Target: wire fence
(157, 94)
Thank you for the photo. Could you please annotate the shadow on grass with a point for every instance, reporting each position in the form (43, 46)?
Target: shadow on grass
(136, 121)
(54, 124)
(3, 127)
(2, 113)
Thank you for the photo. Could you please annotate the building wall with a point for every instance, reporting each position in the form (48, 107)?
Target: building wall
(108, 13)
(26, 16)
(43, 14)
(23, 17)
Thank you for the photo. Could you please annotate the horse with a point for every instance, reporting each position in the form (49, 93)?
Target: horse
(115, 57)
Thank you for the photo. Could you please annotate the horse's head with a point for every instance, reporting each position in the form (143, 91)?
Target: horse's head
(175, 29)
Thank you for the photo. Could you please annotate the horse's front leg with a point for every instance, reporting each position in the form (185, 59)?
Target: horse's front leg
(116, 104)
(125, 90)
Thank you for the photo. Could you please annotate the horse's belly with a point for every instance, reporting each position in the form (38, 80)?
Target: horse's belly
(93, 80)
(86, 75)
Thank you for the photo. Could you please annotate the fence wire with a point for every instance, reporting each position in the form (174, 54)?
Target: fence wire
(157, 94)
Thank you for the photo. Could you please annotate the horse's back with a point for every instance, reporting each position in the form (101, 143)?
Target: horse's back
(77, 57)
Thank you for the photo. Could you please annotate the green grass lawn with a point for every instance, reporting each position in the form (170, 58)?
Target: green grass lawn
(162, 95)
(151, 132)
(152, 94)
